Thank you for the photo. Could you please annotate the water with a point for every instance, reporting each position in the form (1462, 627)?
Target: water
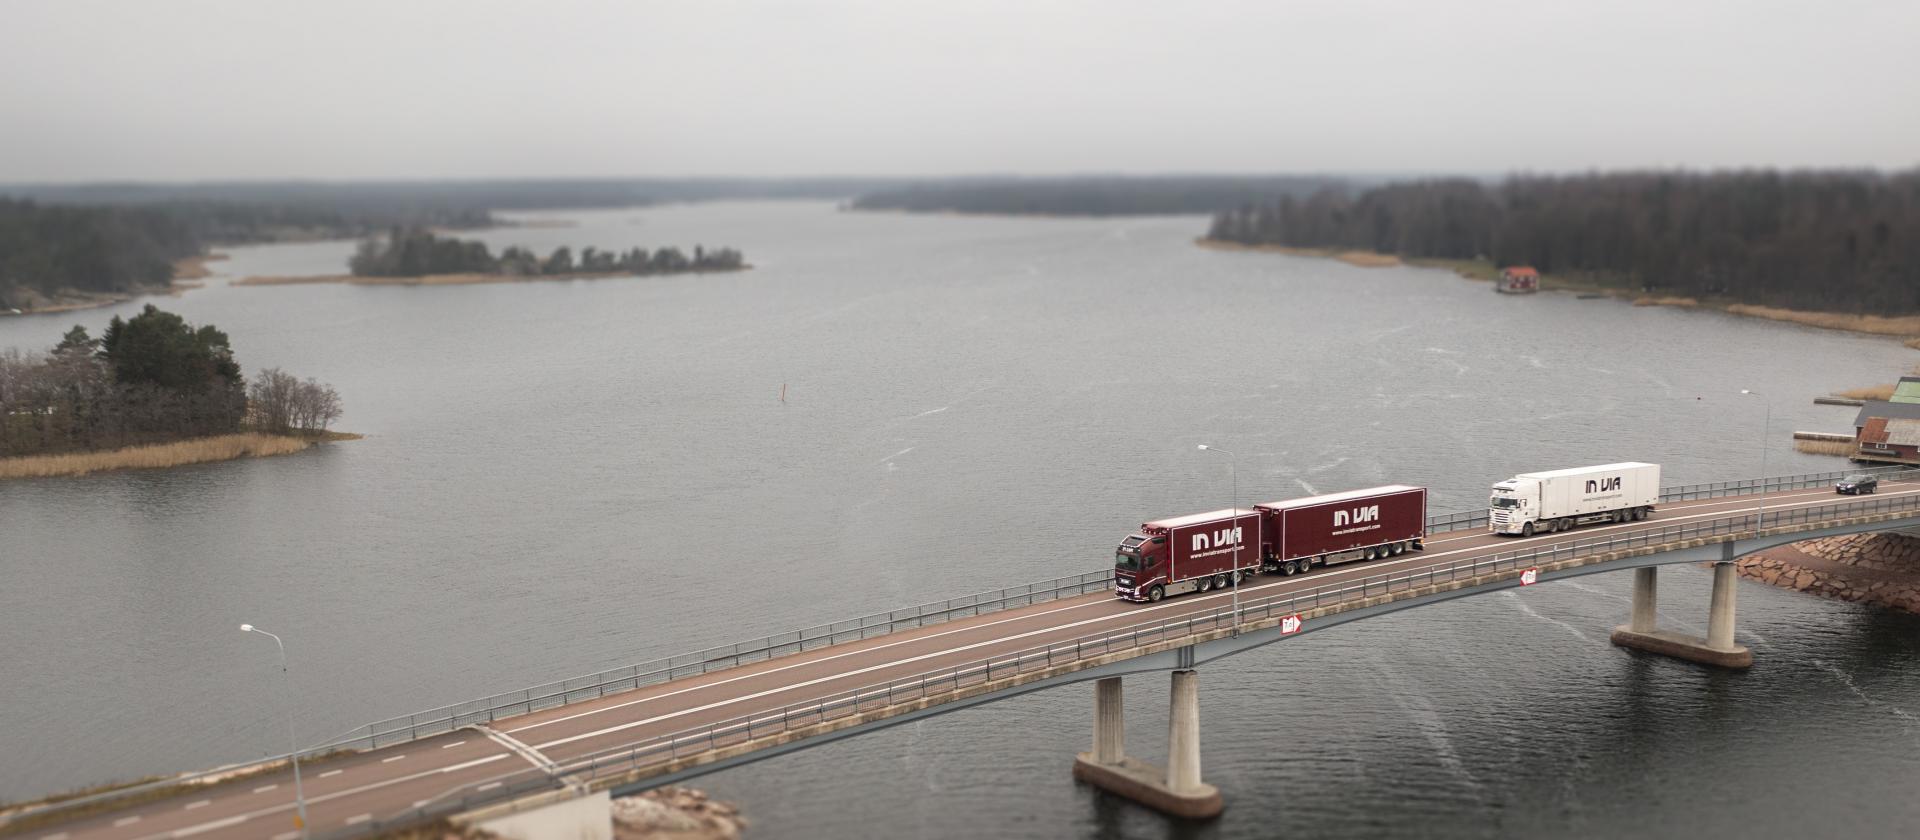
(563, 477)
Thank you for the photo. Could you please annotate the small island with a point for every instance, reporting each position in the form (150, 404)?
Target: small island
(151, 391)
(419, 257)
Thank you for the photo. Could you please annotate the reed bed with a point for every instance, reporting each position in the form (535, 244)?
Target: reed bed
(177, 453)
(1876, 392)
(1825, 447)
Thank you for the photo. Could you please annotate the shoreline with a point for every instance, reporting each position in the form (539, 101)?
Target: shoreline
(179, 453)
(467, 279)
(188, 272)
(1879, 569)
(1905, 328)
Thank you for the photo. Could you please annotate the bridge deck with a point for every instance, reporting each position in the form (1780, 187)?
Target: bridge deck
(359, 790)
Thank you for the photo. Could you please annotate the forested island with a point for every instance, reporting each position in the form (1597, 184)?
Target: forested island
(1093, 195)
(1841, 242)
(417, 252)
(152, 390)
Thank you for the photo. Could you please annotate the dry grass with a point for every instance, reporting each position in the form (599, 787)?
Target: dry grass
(1363, 259)
(177, 453)
(1875, 324)
(195, 268)
(1668, 300)
(1825, 447)
(1877, 392)
(427, 280)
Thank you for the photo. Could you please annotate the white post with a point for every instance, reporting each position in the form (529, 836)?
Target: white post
(1720, 612)
(1109, 725)
(1233, 579)
(1646, 586)
(1766, 427)
(1183, 734)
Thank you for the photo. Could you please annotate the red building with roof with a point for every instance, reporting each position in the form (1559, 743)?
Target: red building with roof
(1518, 280)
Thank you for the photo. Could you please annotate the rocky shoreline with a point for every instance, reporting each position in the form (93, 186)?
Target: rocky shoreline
(675, 813)
(1878, 569)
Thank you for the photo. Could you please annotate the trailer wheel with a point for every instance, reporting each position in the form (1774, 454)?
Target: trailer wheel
(1399, 548)
(1204, 585)
(1219, 581)
(1290, 567)
(1526, 530)
(1156, 593)
(1566, 524)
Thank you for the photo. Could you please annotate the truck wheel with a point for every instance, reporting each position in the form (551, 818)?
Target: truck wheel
(1526, 530)
(1399, 548)
(1204, 585)
(1290, 567)
(1219, 581)
(1156, 593)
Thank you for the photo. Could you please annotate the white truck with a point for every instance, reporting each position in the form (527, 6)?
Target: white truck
(1560, 499)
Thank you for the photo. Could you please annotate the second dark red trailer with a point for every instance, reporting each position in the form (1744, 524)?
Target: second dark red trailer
(1335, 528)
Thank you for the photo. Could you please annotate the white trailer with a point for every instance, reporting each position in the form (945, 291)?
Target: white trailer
(1560, 499)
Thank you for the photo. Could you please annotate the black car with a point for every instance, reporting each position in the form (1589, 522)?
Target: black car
(1854, 485)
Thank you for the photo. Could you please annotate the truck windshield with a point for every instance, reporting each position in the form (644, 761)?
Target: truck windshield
(1505, 502)
(1126, 562)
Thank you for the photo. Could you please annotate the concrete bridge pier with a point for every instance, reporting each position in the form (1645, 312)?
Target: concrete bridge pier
(1717, 649)
(1177, 790)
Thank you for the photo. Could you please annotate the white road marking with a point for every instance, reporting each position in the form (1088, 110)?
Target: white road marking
(265, 788)
(212, 826)
(1361, 567)
(486, 787)
(60, 836)
(201, 804)
(126, 821)
(452, 745)
(422, 803)
(359, 819)
(328, 797)
(331, 773)
(393, 759)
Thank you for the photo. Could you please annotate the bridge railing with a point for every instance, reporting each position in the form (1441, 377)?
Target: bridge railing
(487, 709)
(665, 748)
(561, 692)
(1718, 489)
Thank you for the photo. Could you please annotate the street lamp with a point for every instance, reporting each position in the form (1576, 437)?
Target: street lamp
(293, 746)
(1766, 428)
(1233, 579)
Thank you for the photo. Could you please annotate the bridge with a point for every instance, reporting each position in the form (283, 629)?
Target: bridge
(552, 752)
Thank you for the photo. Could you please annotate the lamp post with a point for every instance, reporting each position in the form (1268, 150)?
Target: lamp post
(293, 746)
(1233, 579)
(1766, 428)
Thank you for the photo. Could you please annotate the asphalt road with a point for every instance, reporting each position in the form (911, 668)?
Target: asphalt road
(381, 783)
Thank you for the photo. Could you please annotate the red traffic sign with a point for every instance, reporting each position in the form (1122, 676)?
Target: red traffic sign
(1530, 576)
(1290, 625)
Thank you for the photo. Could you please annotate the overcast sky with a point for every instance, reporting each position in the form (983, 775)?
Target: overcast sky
(249, 89)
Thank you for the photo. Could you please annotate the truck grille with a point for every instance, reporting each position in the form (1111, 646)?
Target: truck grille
(1500, 518)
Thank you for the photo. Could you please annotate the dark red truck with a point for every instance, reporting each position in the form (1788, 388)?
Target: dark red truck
(1208, 550)
(1188, 554)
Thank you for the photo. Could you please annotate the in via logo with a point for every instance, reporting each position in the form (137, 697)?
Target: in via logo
(1218, 539)
(1530, 577)
(1290, 625)
(1603, 485)
(1343, 518)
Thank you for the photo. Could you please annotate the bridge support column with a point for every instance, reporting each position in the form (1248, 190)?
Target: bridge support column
(1176, 790)
(1646, 601)
(1109, 722)
(1717, 649)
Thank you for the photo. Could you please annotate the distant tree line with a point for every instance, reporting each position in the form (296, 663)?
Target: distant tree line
(1093, 195)
(1835, 241)
(46, 249)
(417, 252)
(148, 379)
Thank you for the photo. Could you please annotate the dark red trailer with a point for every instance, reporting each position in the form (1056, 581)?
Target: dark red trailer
(1192, 553)
(1336, 528)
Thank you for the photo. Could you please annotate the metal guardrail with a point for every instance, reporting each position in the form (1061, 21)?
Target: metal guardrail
(666, 748)
(448, 718)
